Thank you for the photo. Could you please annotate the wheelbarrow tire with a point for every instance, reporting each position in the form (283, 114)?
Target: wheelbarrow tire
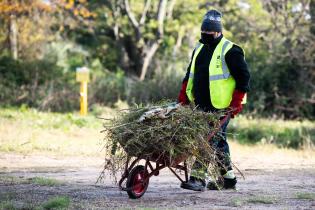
(136, 182)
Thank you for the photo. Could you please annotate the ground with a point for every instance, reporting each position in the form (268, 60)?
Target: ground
(274, 179)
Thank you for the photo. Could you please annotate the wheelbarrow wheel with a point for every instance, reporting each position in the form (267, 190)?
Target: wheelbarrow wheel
(137, 182)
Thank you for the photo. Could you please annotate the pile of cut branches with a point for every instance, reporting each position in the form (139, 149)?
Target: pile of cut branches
(137, 132)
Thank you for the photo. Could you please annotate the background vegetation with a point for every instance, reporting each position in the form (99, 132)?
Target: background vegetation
(138, 51)
(70, 134)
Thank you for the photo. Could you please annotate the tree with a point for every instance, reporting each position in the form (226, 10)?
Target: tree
(138, 29)
(143, 47)
(29, 21)
(10, 11)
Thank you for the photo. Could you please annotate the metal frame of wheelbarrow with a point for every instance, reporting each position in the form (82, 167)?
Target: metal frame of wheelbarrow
(140, 174)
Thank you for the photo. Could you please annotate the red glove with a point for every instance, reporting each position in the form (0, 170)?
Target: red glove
(236, 103)
(182, 97)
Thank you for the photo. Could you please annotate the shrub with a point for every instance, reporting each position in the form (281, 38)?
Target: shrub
(108, 88)
(40, 83)
(163, 86)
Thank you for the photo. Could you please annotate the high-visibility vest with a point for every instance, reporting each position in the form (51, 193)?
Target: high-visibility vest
(221, 82)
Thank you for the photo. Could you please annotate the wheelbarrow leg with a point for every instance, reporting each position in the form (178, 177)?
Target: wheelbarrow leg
(180, 167)
(186, 171)
(124, 175)
(126, 172)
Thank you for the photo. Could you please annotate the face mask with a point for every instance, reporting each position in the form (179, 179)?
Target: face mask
(207, 38)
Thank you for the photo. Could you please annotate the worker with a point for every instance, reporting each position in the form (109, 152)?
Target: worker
(217, 79)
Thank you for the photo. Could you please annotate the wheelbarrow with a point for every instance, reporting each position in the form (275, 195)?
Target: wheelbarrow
(138, 176)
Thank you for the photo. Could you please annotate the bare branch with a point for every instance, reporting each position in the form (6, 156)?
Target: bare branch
(145, 11)
(149, 54)
(170, 8)
(116, 13)
(180, 36)
(130, 15)
(160, 16)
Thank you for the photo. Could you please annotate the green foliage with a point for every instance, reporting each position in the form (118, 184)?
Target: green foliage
(59, 202)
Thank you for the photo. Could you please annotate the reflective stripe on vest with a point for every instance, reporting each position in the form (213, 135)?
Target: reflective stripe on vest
(221, 83)
(225, 70)
(226, 73)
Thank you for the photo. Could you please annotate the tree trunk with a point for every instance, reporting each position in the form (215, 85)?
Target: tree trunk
(13, 36)
(145, 49)
(312, 13)
(180, 36)
(147, 59)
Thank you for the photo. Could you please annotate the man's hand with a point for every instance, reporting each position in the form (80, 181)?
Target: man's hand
(236, 103)
(182, 97)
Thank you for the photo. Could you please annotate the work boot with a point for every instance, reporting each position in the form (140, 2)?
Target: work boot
(194, 184)
(223, 183)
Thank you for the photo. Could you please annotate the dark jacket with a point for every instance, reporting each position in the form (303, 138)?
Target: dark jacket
(236, 63)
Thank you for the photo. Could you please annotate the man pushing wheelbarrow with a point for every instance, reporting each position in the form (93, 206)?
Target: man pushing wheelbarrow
(217, 79)
(145, 140)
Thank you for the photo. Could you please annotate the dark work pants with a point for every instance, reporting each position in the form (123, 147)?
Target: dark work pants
(222, 154)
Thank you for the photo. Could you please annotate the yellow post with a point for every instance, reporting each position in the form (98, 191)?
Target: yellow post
(83, 77)
(83, 98)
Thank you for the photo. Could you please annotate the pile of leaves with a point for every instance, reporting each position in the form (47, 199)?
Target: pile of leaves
(183, 131)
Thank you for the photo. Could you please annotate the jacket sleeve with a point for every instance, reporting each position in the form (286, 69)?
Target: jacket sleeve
(188, 68)
(235, 60)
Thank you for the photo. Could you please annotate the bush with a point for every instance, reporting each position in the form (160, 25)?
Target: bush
(108, 88)
(164, 86)
(39, 83)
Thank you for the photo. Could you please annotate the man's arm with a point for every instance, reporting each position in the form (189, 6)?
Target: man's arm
(188, 68)
(235, 60)
(182, 97)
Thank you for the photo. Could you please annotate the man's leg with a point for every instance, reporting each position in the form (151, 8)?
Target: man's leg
(197, 178)
(199, 170)
(220, 145)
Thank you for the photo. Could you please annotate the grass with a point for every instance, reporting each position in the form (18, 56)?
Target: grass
(42, 181)
(6, 200)
(287, 134)
(11, 180)
(237, 202)
(45, 181)
(7, 205)
(59, 202)
(262, 200)
(29, 131)
(305, 195)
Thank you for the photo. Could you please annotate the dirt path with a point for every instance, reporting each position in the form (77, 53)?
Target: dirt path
(273, 181)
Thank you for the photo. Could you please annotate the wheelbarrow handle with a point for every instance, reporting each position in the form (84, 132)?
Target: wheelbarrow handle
(223, 120)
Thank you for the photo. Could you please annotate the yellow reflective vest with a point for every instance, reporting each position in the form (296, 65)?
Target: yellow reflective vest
(221, 82)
